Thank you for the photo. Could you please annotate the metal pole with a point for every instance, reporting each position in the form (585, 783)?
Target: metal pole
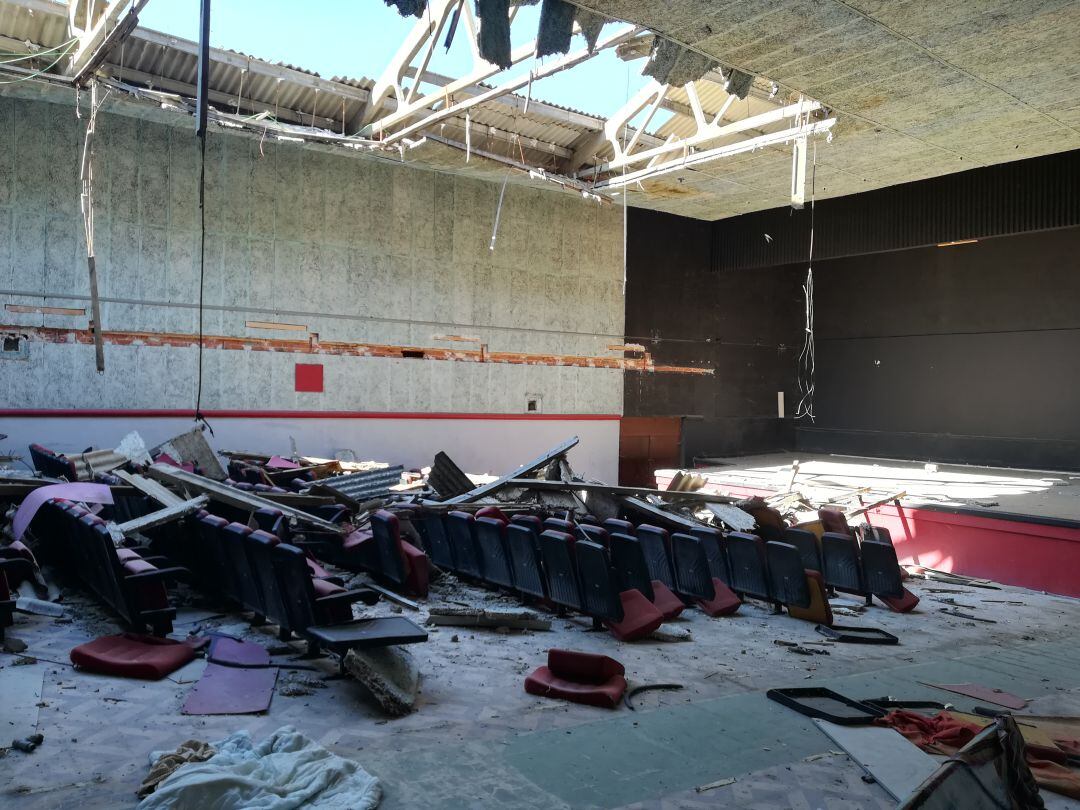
(203, 80)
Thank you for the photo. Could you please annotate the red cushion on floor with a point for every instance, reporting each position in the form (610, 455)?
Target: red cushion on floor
(666, 602)
(492, 512)
(640, 617)
(545, 683)
(901, 604)
(132, 656)
(724, 602)
(416, 568)
(583, 667)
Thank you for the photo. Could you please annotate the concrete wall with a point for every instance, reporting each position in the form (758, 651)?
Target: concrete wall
(355, 249)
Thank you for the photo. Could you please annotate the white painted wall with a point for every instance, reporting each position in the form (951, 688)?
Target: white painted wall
(354, 249)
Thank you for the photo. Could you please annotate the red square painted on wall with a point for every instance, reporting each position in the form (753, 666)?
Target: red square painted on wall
(309, 377)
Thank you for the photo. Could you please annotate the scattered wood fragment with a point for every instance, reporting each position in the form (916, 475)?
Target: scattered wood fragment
(521, 472)
(162, 516)
(968, 616)
(223, 493)
(471, 617)
(717, 784)
(148, 486)
(393, 597)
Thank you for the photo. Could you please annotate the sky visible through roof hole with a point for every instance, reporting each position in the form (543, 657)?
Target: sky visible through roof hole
(358, 38)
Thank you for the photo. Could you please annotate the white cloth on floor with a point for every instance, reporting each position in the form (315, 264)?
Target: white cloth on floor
(284, 771)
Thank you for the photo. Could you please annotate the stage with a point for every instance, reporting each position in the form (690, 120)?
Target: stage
(1018, 527)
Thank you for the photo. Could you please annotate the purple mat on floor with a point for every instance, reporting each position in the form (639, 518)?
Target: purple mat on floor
(229, 650)
(231, 689)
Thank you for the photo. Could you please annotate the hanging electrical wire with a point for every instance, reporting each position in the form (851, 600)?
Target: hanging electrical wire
(35, 74)
(805, 408)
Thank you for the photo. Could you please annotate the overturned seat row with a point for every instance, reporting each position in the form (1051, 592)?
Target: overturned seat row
(128, 580)
(278, 583)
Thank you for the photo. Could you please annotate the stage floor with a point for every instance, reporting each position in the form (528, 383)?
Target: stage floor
(990, 491)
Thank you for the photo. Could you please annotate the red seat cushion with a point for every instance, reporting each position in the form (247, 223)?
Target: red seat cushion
(666, 602)
(583, 667)
(316, 570)
(335, 613)
(545, 683)
(416, 569)
(137, 565)
(132, 656)
(833, 520)
(640, 617)
(724, 602)
(125, 554)
(356, 538)
(492, 512)
(901, 604)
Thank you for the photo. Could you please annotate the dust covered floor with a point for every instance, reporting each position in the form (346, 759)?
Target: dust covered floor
(478, 740)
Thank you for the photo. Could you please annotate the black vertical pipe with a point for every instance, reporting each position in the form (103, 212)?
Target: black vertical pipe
(203, 81)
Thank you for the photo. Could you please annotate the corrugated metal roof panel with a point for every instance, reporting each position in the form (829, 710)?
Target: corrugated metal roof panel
(364, 486)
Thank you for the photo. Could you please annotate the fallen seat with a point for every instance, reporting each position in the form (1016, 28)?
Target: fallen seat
(132, 655)
(594, 680)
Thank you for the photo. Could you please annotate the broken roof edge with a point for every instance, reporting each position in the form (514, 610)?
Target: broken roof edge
(173, 110)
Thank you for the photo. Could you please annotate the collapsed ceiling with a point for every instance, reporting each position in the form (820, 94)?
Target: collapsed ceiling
(900, 91)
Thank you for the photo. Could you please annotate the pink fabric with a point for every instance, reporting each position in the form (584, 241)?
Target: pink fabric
(279, 463)
(78, 492)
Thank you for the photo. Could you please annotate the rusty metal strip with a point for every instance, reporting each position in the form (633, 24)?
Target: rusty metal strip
(313, 345)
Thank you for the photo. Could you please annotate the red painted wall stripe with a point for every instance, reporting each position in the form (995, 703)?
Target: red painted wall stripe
(107, 413)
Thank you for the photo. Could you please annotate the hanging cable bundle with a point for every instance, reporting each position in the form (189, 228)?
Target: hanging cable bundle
(806, 356)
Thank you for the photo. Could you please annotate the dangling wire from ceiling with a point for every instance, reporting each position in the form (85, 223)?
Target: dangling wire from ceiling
(805, 408)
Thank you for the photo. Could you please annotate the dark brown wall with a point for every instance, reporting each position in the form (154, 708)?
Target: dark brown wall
(968, 353)
(745, 324)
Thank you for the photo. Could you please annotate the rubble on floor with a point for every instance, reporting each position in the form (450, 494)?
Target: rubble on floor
(309, 576)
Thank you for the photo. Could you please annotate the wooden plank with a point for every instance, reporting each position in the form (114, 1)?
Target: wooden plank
(162, 516)
(223, 493)
(657, 515)
(896, 764)
(150, 487)
(299, 500)
(590, 486)
(520, 472)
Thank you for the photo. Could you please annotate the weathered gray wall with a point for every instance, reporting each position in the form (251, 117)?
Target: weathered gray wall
(342, 241)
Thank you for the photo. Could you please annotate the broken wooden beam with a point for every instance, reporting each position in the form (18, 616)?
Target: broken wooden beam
(591, 486)
(522, 471)
(223, 493)
(150, 487)
(162, 516)
(469, 617)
